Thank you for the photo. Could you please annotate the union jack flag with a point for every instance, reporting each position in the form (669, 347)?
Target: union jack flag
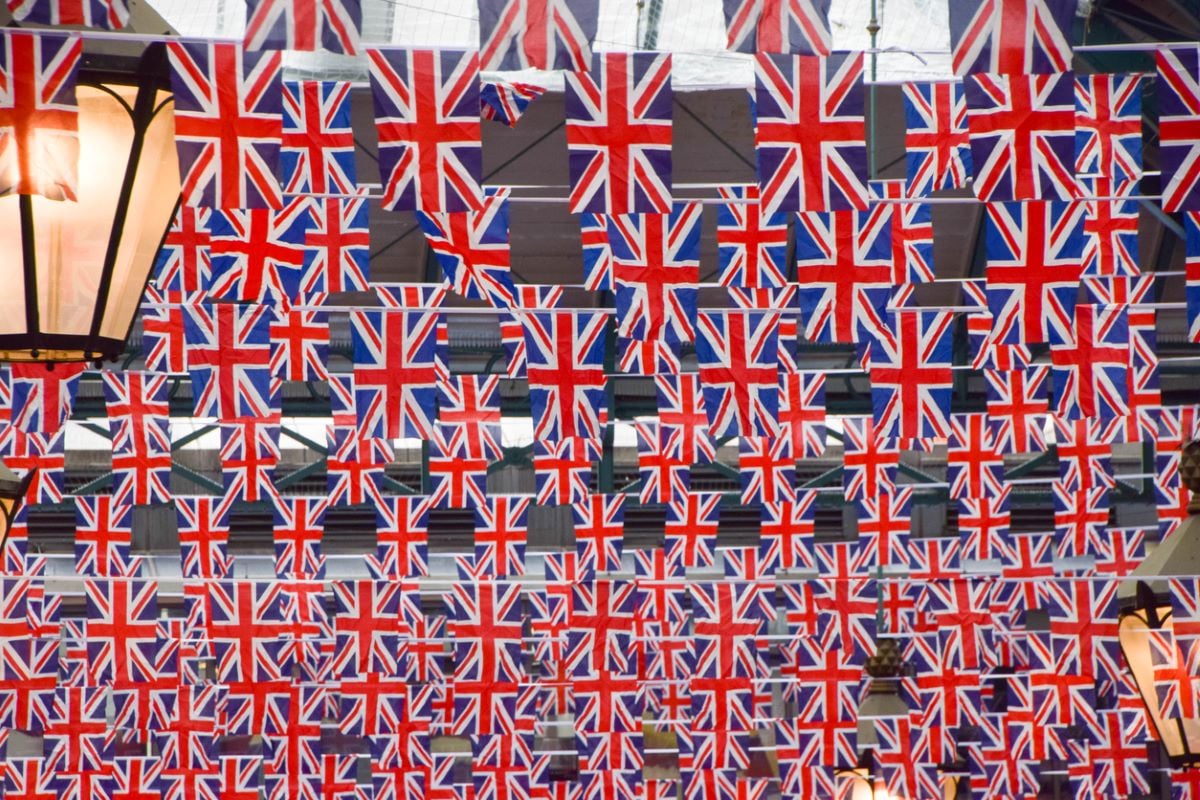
(656, 266)
(599, 522)
(337, 243)
(41, 398)
(663, 470)
(300, 345)
(368, 627)
(298, 526)
(229, 360)
(473, 249)
(619, 134)
(653, 357)
(1108, 126)
(690, 537)
(457, 479)
(778, 26)
(682, 417)
(1120, 767)
(512, 332)
(738, 355)
(844, 267)
(802, 412)
(1084, 457)
(1022, 134)
(183, 263)
(1034, 253)
(258, 255)
(245, 625)
(485, 625)
(332, 25)
(501, 531)
(1091, 369)
(883, 522)
(768, 469)
(138, 409)
(402, 538)
(1080, 519)
(395, 379)
(1018, 405)
(1011, 36)
(427, 118)
(809, 132)
(506, 102)
(597, 255)
(1178, 88)
(228, 124)
(317, 153)
(204, 536)
(39, 117)
(751, 245)
(565, 353)
(974, 466)
(938, 154)
(563, 469)
(602, 619)
(469, 412)
(1110, 228)
(355, 466)
(122, 630)
(103, 537)
(163, 345)
(41, 453)
(869, 460)
(107, 14)
(517, 35)
(983, 527)
(787, 533)
(910, 375)
(912, 231)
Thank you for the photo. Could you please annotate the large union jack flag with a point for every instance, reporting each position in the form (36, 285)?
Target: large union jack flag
(395, 379)
(619, 134)
(809, 132)
(332, 25)
(473, 248)
(259, 254)
(844, 268)
(317, 152)
(427, 118)
(1108, 126)
(39, 118)
(778, 26)
(911, 376)
(656, 266)
(229, 360)
(1035, 260)
(228, 124)
(938, 155)
(565, 352)
(1022, 133)
(751, 245)
(537, 34)
(1179, 127)
(738, 353)
(1011, 36)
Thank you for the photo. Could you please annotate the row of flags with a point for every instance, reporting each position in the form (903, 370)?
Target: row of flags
(1007, 36)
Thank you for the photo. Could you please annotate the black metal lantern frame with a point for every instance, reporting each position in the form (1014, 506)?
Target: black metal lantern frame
(114, 76)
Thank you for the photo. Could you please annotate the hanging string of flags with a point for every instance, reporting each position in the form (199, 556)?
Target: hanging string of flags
(706, 654)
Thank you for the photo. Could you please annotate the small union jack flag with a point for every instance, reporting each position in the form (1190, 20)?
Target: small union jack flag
(41, 397)
(974, 466)
(183, 263)
(911, 377)
(163, 346)
(690, 537)
(427, 118)
(844, 268)
(768, 468)
(337, 243)
(228, 124)
(457, 479)
(501, 531)
(122, 629)
(300, 345)
(1011, 36)
(738, 353)
(751, 245)
(249, 454)
(39, 116)
(1179, 112)
(41, 453)
(563, 469)
(778, 26)
(1022, 134)
(681, 414)
(1018, 406)
(1108, 126)
(139, 413)
(656, 266)
(395, 379)
(565, 351)
(473, 248)
(938, 154)
(103, 538)
(106, 14)
(332, 25)
(259, 254)
(802, 412)
(317, 152)
(787, 533)
(654, 357)
(809, 132)
(1110, 228)
(299, 524)
(869, 461)
(203, 536)
(664, 472)
(506, 102)
(512, 331)
(402, 538)
(619, 134)
(1091, 369)
(355, 466)
(599, 530)
(229, 360)
(469, 412)
(1034, 252)
(912, 232)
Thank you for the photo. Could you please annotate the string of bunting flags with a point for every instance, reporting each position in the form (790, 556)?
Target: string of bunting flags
(607, 672)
